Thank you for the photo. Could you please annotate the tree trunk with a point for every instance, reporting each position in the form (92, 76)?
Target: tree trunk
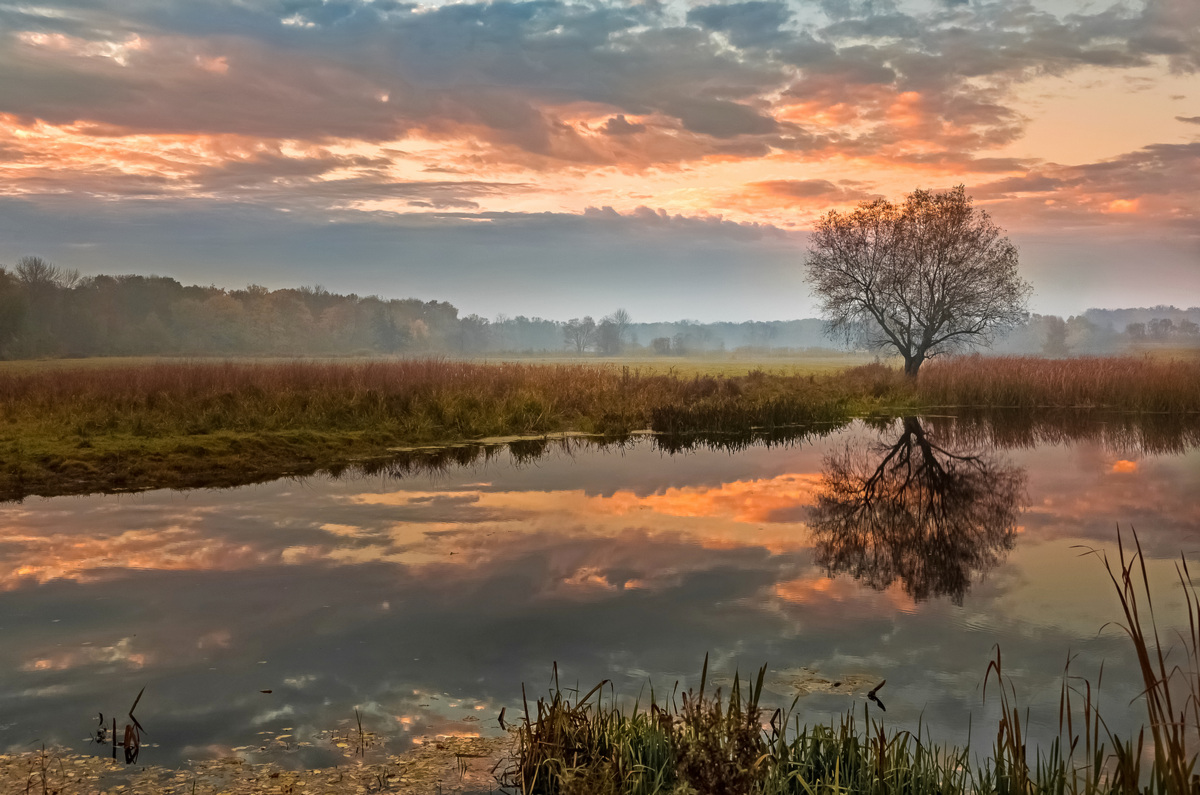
(912, 364)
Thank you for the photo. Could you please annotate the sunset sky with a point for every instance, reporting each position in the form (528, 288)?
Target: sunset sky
(564, 158)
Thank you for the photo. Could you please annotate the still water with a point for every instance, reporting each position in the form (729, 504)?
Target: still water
(426, 594)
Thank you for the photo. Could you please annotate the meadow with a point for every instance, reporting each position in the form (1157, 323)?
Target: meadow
(131, 424)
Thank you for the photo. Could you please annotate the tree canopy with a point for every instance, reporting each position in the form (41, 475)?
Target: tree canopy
(926, 277)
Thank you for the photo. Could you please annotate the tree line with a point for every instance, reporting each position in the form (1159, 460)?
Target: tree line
(48, 311)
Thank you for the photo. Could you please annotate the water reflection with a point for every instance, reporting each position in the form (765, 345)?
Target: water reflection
(427, 590)
(916, 512)
(980, 430)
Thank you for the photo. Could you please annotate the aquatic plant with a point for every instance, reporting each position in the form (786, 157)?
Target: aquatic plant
(732, 746)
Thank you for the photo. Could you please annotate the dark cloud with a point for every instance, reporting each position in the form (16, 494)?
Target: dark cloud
(497, 71)
(619, 125)
(1188, 119)
(750, 24)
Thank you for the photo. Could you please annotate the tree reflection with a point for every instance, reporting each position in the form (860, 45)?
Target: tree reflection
(918, 513)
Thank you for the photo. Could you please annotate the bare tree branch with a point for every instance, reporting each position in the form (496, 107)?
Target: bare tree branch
(927, 277)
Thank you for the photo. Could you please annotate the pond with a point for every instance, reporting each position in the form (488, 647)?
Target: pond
(258, 619)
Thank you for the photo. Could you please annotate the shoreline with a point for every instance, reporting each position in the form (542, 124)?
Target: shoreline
(442, 765)
(214, 425)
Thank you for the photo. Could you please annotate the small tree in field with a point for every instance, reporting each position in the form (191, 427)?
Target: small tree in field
(927, 277)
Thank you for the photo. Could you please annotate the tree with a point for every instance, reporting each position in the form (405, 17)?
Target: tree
(927, 277)
(619, 322)
(608, 337)
(38, 274)
(580, 334)
(1160, 328)
(12, 309)
(1055, 344)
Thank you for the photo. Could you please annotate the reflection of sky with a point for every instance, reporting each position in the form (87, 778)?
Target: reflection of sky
(428, 601)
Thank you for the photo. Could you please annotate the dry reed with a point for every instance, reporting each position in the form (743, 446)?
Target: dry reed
(1122, 383)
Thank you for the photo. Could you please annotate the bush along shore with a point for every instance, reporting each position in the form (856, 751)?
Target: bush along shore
(191, 424)
(707, 744)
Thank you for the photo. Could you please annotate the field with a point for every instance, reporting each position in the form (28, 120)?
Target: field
(75, 427)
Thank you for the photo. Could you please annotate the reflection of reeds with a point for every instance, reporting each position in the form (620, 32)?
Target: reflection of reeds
(1122, 433)
(733, 746)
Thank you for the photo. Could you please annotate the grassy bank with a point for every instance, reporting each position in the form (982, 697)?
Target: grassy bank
(181, 424)
(704, 743)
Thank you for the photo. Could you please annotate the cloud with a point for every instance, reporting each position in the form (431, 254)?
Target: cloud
(760, 110)
(1159, 184)
(505, 73)
(803, 190)
(749, 24)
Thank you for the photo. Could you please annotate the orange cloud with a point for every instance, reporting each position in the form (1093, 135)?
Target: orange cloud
(1122, 206)
(42, 558)
(826, 590)
(747, 501)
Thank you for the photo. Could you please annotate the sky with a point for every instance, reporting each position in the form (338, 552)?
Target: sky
(555, 159)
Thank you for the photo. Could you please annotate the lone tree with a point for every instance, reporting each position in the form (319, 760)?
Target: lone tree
(927, 277)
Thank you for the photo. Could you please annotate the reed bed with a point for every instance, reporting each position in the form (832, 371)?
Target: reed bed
(183, 424)
(1122, 383)
(419, 399)
(714, 745)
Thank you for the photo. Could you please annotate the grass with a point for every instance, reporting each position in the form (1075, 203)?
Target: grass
(178, 424)
(1167, 385)
(733, 746)
(174, 423)
(816, 362)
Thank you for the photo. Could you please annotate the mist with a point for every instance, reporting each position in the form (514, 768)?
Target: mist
(50, 311)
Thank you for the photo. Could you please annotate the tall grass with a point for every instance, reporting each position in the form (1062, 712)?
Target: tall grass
(422, 399)
(180, 424)
(714, 745)
(1124, 383)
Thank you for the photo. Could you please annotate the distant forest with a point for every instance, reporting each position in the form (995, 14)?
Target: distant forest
(47, 311)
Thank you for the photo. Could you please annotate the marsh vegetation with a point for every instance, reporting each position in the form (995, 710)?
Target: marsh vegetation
(703, 741)
(176, 424)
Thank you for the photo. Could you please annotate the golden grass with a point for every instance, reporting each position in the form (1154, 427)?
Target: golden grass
(122, 424)
(730, 364)
(183, 423)
(1125, 383)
